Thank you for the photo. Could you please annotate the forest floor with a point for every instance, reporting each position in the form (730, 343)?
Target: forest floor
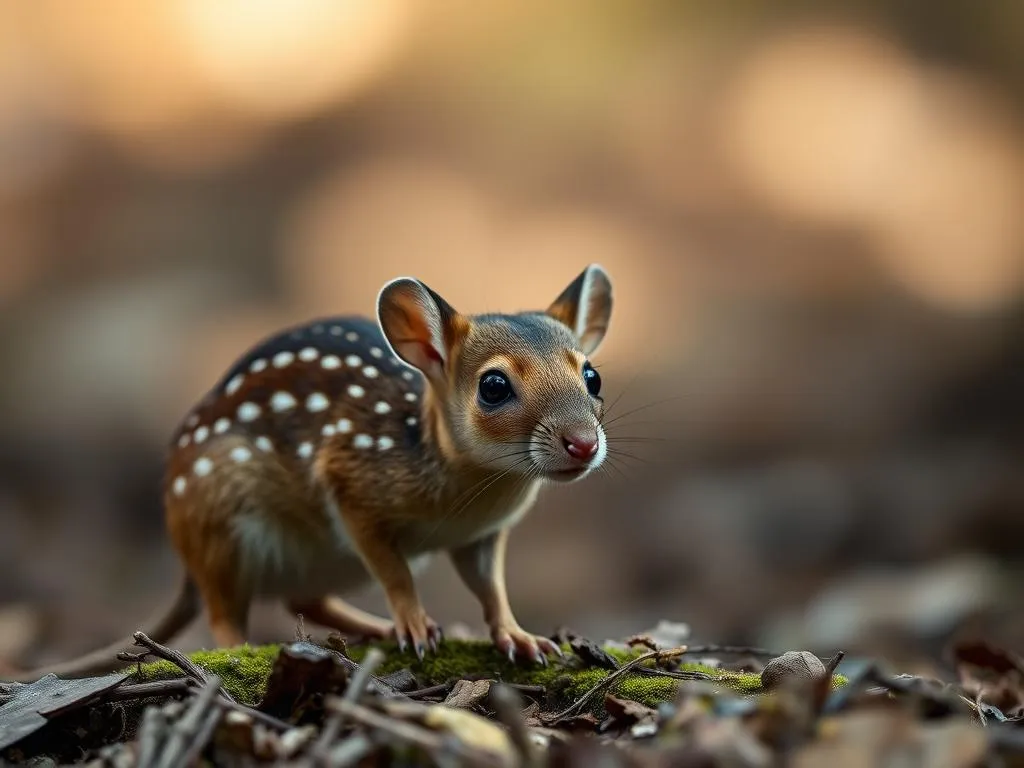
(650, 700)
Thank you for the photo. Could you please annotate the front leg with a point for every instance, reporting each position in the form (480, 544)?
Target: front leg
(481, 565)
(378, 550)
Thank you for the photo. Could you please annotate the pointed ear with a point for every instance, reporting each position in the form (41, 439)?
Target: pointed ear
(421, 327)
(586, 307)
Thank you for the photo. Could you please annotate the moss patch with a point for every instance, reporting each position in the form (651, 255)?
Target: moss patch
(245, 670)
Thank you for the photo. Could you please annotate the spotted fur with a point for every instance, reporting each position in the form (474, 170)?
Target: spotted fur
(346, 450)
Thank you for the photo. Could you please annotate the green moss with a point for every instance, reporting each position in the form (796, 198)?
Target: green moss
(244, 671)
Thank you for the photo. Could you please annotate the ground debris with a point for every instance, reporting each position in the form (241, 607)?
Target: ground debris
(332, 705)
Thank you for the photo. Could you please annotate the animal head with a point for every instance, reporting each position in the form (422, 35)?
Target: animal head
(512, 392)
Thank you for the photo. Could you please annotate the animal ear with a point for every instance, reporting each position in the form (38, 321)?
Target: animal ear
(586, 307)
(421, 327)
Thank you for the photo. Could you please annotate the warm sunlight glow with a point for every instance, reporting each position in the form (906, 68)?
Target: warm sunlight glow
(289, 57)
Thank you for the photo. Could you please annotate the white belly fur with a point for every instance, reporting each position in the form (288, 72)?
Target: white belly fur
(291, 564)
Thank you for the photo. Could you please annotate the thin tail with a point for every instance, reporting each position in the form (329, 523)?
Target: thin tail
(161, 628)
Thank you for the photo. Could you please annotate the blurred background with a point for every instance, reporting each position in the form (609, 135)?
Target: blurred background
(811, 212)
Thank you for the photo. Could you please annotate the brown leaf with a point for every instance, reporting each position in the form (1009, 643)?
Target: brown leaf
(626, 712)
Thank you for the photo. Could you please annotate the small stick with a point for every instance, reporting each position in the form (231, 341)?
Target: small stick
(161, 688)
(507, 704)
(151, 735)
(178, 659)
(351, 751)
(576, 706)
(431, 691)
(184, 735)
(356, 687)
(410, 733)
(362, 676)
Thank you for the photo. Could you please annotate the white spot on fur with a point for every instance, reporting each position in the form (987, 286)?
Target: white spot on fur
(385, 443)
(356, 391)
(192, 420)
(241, 454)
(201, 434)
(381, 407)
(377, 352)
(305, 450)
(258, 365)
(179, 486)
(370, 372)
(283, 359)
(203, 466)
(407, 375)
(309, 354)
(330, 362)
(337, 330)
(411, 421)
(282, 401)
(362, 441)
(234, 385)
(353, 361)
(329, 430)
(410, 397)
(248, 412)
(264, 444)
(318, 329)
(221, 425)
(352, 336)
(317, 402)
(184, 440)
(344, 426)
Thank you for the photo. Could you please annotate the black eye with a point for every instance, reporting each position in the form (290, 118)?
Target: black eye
(592, 379)
(494, 388)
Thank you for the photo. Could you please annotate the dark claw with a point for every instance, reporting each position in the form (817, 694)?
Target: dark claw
(419, 651)
(540, 658)
(402, 645)
(433, 644)
(512, 653)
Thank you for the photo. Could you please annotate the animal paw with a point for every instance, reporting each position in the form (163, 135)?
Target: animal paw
(413, 628)
(515, 642)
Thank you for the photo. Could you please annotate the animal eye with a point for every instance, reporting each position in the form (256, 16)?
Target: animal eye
(592, 379)
(495, 388)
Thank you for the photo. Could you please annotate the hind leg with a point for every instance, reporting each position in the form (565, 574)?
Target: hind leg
(335, 613)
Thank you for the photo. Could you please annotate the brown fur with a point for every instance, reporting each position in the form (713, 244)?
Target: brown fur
(317, 513)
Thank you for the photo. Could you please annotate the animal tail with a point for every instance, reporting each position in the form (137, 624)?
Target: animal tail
(163, 627)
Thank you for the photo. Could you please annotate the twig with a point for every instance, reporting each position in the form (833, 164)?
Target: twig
(178, 659)
(184, 740)
(363, 675)
(351, 751)
(431, 691)
(432, 741)
(151, 735)
(576, 706)
(356, 687)
(507, 704)
(255, 714)
(157, 688)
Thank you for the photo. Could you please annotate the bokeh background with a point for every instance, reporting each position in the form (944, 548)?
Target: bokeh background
(811, 212)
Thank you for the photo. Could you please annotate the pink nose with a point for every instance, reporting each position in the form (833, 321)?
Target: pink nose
(580, 445)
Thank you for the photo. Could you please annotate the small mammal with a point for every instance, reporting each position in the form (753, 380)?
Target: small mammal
(345, 450)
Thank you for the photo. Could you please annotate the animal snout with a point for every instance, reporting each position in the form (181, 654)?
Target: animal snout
(581, 444)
